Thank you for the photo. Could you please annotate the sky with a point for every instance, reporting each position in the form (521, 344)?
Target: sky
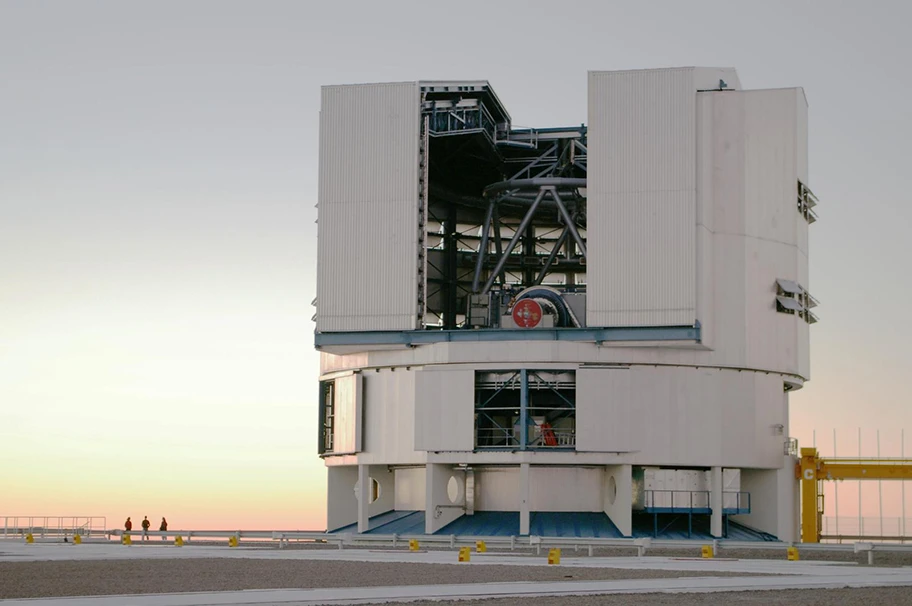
(158, 182)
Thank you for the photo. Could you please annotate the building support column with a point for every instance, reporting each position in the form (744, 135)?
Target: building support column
(523, 409)
(619, 497)
(715, 502)
(524, 513)
(363, 498)
(439, 508)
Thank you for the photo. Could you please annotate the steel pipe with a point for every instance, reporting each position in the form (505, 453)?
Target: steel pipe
(514, 241)
(530, 183)
(570, 224)
(483, 246)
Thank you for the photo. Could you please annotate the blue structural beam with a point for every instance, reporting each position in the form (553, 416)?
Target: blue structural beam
(414, 338)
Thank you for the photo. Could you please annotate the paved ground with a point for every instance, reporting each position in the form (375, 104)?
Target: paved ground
(821, 597)
(138, 576)
(306, 577)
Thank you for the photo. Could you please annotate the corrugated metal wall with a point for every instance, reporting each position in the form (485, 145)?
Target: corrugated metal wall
(641, 202)
(367, 274)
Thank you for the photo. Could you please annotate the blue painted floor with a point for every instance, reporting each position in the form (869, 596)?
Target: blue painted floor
(674, 526)
(556, 524)
(543, 524)
(391, 522)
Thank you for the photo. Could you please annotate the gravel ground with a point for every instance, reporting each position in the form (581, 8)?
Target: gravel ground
(885, 596)
(113, 577)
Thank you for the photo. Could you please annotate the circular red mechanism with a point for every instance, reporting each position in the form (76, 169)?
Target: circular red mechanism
(527, 313)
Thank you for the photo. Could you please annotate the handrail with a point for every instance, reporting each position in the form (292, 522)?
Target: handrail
(342, 540)
(53, 525)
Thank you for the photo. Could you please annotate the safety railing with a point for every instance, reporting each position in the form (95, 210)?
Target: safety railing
(496, 437)
(677, 501)
(853, 528)
(736, 502)
(15, 527)
(695, 501)
(554, 438)
(281, 539)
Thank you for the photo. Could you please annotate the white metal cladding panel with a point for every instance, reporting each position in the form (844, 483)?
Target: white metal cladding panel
(497, 489)
(801, 156)
(770, 164)
(729, 300)
(367, 270)
(605, 421)
(802, 141)
(728, 160)
(804, 337)
(751, 412)
(348, 415)
(566, 488)
(444, 410)
(641, 206)
(772, 337)
(389, 413)
(410, 488)
(681, 416)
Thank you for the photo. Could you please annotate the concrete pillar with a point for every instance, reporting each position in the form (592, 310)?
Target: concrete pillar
(788, 506)
(363, 498)
(386, 500)
(619, 497)
(440, 509)
(524, 513)
(715, 502)
(341, 501)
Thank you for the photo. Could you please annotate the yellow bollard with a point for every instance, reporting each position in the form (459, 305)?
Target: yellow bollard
(792, 554)
(554, 556)
(480, 547)
(29, 538)
(179, 541)
(706, 551)
(77, 539)
(126, 539)
(464, 554)
(232, 542)
(413, 544)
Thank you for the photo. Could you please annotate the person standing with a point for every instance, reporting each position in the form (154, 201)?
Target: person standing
(145, 526)
(128, 525)
(164, 528)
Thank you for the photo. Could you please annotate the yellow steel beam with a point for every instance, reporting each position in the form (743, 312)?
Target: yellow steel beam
(884, 469)
(806, 470)
(811, 470)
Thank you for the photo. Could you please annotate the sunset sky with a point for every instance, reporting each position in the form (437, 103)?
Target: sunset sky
(158, 176)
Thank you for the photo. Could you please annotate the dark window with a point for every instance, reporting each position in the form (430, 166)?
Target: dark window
(327, 416)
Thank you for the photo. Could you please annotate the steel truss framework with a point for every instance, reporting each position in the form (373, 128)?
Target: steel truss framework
(525, 226)
(507, 395)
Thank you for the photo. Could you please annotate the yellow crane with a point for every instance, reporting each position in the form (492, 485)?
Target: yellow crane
(812, 471)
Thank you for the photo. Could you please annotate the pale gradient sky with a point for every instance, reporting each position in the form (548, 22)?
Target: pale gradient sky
(157, 240)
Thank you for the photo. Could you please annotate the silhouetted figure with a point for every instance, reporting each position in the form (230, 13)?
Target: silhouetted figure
(164, 528)
(145, 525)
(128, 525)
